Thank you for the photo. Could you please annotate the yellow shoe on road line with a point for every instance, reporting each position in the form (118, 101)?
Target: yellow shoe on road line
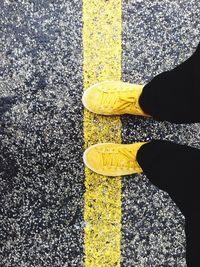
(113, 159)
(114, 98)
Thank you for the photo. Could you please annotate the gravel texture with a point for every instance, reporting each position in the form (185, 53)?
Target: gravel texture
(41, 142)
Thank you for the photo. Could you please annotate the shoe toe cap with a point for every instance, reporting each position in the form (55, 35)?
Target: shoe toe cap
(91, 99)
(92, 159)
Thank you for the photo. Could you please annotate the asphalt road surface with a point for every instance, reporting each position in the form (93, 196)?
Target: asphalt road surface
(41, 131)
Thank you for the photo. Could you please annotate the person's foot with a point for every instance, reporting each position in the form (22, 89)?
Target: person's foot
(113, 159)
(113, 98)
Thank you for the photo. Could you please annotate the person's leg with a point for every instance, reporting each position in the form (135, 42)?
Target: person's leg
(192, 240)
(174, 95)
(175, 169)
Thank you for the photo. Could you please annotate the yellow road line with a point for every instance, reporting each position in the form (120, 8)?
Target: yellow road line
(102, 200)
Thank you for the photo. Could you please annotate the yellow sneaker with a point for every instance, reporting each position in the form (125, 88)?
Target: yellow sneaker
(113, 159)
(113, 98)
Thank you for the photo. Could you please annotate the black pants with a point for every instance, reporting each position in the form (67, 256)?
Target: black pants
(175, 96)
(176, 169)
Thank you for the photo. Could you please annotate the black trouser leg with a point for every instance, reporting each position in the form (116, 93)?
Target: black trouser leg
(176, 169)
(174, 95)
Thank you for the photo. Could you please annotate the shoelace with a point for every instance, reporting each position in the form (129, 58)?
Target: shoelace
(118, 103)
(109, 158)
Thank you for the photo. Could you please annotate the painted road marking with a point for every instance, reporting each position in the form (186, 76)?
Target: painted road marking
(102, 26)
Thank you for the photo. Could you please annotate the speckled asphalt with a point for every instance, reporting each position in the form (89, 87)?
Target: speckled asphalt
(41, 131)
